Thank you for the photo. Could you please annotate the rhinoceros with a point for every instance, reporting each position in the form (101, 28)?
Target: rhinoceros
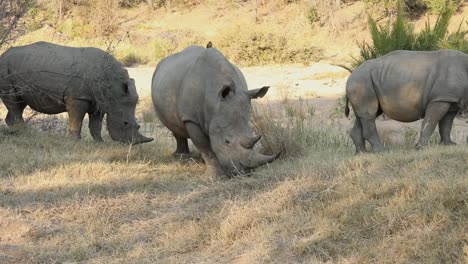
(198, 94)
(407, 86)
(52, 79)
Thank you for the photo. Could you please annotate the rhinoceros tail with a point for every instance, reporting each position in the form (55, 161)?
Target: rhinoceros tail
(346, 111)
(209, 45)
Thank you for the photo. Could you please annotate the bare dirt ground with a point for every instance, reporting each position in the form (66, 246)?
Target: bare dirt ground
(320, 85)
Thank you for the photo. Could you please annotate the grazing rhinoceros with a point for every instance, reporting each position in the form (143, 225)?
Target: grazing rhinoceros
(198, 94)
(408, 86)
(52, 79)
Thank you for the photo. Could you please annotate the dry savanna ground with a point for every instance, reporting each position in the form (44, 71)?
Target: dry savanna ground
(63, 201)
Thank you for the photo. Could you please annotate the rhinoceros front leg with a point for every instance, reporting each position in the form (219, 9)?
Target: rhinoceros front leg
(202, 142)
(435, 111)
(15, 106)
(76, 111)
(182, 147)
(95, 125)
(445, 127)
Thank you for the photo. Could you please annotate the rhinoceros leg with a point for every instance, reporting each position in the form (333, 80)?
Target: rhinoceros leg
(95, 125)
(435, 111)
(76, 111)
(182, 146)
(357, 136)
(445, 127)
(202, 142)
(15, 106)
(371, 135)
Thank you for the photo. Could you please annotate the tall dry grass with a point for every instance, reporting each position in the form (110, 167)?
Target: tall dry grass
(106, 203)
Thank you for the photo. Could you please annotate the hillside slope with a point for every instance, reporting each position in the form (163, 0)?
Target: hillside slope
(272, 32)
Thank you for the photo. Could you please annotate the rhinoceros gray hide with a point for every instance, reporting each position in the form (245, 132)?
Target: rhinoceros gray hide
(52, 79)
(198, 94)
(407, 86)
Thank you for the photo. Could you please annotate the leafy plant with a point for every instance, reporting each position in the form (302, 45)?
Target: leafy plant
(400, 35)
(312, 15)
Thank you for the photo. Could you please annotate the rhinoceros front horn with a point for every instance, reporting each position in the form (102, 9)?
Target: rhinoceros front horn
(139, 138)
(257, 160)
(250, 142)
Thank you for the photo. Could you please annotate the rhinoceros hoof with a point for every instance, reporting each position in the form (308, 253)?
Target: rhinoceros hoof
(448, 143)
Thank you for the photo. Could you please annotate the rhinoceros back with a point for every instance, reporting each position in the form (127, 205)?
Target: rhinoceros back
(167, 87)
(405, 82)
(49, 72)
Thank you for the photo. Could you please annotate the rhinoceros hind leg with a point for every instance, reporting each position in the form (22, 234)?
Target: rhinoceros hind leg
(182, 147)
(371, 135)
(357, 136)
(15, 106)
(445, 127)
(435, 111)
(76, 111)
(202, 142)
(95, 125)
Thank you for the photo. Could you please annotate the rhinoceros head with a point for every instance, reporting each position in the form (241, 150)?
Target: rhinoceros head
(121, 122)
(231, 137)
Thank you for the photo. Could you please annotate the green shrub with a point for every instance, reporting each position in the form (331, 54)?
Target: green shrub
(249, 44)
(430, 38)
(439, 6)
(456, 40)
(417, 6)
(162, 48)
(396, 36)
(312, 15)
(401, 36)
(130, 55)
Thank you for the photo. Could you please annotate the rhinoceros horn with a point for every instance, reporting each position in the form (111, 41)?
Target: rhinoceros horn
(139, 138)
(256, 160)
(250, 142)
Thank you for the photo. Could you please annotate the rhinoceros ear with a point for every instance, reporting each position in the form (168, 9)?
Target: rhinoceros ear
(129, 86)
(258, 93)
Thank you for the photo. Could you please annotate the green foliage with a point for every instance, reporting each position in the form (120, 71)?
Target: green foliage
(312, 15)
(256, 45)
(396, 36)
(456, 40)
(401, 36)
(416, 6)
(439, 6)
(429, 38)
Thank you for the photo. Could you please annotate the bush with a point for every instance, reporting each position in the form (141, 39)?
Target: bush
(439, 6)
(312, 15)
(250, 44)
(456, 40)
(398, 36)
(417, 6)
(401, 36)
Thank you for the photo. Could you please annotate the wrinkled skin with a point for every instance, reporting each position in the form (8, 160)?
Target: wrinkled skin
(52, 79)
(408, 86)
(198, 94)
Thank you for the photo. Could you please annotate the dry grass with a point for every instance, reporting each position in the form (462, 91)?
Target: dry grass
(99, 203)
